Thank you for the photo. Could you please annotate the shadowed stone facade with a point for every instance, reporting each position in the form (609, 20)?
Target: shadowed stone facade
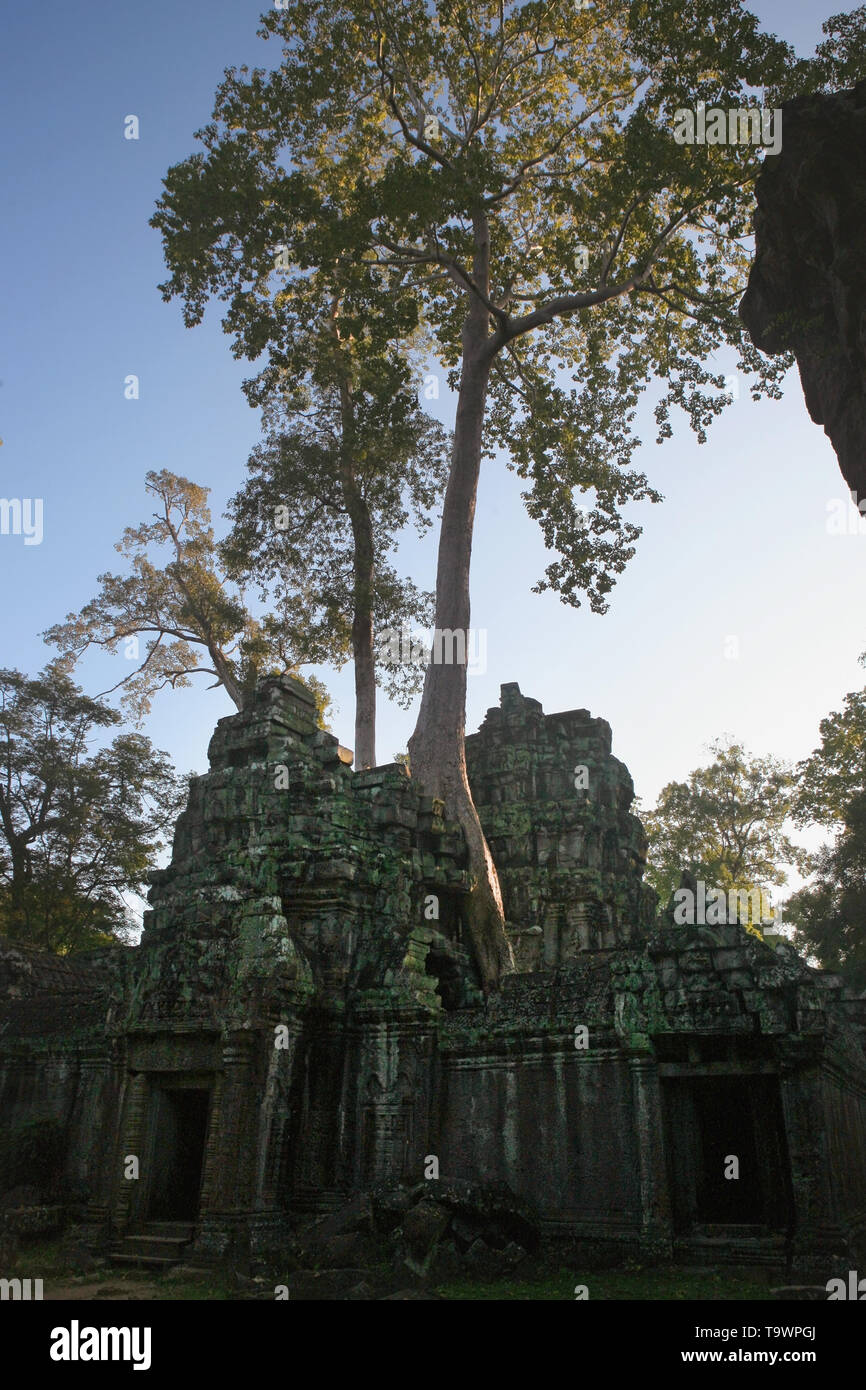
(303, 1019)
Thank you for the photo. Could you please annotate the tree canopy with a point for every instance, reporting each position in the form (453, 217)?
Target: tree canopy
(836, 771)
(344, 466)
(724, 825)
(80, 825)
(385, 130)
(182, 603)
(829, 912)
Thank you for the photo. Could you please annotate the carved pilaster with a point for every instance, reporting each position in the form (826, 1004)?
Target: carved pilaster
(132, 1142)
(656, 1228)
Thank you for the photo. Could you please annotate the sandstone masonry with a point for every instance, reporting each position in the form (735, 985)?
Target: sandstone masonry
(303, 1020)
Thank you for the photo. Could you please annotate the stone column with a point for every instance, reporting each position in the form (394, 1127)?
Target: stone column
(274, 1115)
(818, 1248)
(240, 1099)
(211, 1154)
(656, 1229)
(94, 1128)
(390, 1066)
(132, 1139)
(227, 1199)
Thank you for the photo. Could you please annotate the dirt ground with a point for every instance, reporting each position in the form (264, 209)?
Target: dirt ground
(74, 1289)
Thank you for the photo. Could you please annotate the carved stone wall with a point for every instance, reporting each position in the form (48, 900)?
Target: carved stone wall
(305, 966)
(554, 804)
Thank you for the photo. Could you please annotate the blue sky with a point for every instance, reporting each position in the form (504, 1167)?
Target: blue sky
(738, 550)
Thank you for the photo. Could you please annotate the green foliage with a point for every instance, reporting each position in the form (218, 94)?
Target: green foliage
(829, 914)
(725, 824)
(79, 828)
(294, 522)
(389, 139)
(836, 771)
(839, 62)
(177, 598)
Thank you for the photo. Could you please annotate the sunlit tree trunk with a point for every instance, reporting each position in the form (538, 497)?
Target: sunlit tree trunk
(362, 591)
(436, 749)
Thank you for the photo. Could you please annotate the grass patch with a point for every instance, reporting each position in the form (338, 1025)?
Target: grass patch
(204, 1289)
(42, 1258)
(46, 1259)
(664, 1283)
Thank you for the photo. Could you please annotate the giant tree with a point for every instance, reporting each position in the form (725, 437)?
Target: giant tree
(507, 175)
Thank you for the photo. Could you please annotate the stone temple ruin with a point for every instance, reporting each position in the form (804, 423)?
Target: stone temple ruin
(302, 1020)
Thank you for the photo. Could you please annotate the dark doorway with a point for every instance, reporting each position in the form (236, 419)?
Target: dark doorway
(711, 1120)
(445, 967)
(180, 1133)
(727, 1137)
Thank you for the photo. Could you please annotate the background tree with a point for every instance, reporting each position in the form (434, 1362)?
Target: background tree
(839, 61)
(191, 617)
(725, 825)
(342, 468)
(79, 826)
(836, 771)
(829, 913)
(507, 174)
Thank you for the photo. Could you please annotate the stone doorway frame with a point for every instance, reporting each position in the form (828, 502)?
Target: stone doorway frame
(677, 1074)
(139, 1136)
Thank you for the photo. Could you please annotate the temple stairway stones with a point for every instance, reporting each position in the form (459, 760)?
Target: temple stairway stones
(157, 1246)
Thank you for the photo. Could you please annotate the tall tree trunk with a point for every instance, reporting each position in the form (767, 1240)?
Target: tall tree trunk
(437, 753)
(227, 677)
(17, 904)
(362, 592)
